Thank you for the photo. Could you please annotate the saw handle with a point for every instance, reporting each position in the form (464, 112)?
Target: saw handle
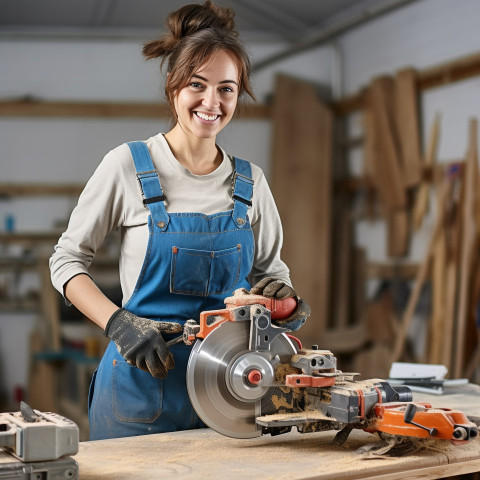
(279, 309)
(283, 308)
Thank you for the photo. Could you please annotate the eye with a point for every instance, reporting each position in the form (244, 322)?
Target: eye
(196, 84)
(227, 90)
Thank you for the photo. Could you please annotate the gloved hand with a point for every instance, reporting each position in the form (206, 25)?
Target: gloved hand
(139, 340)
(274, 288)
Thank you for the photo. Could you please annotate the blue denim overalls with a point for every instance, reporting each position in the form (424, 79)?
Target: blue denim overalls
(193, 261)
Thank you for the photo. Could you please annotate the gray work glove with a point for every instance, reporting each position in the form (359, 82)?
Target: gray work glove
(139, 340)
(274, 288)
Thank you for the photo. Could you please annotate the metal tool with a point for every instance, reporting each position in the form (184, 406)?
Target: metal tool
(32, 436)
(36, 445)
(245, 378)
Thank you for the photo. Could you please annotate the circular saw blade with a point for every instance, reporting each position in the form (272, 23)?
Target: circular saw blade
(209, 374)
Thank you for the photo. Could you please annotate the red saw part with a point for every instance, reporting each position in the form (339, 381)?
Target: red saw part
(279, 309)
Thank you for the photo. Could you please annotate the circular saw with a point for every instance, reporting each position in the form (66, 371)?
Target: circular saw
(231, 376)
(246, 377)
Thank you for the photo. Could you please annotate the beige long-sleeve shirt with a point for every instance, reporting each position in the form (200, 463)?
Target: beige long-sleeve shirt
(112, 200)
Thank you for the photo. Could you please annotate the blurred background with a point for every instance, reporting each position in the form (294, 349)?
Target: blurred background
(365, 125)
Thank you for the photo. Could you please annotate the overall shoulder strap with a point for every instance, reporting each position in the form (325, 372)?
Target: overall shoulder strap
(242, 191)
(147, 176)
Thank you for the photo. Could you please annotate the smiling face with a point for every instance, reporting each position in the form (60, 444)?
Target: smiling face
(207, 103)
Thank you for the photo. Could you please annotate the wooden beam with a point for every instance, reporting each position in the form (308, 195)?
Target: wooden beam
(29, 238)
(362, 182)
(39, 189)
(443, 74)
(449, 72)
(391, 270)
(40, 108)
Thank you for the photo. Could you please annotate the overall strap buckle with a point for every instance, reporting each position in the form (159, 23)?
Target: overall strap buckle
(143, 178)
(147, 176)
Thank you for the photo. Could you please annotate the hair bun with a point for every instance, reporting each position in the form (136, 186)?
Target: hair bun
(188, 20)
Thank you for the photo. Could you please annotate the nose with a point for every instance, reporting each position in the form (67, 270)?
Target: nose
(210, 98)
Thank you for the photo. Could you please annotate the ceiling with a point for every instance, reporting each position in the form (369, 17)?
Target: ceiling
(277, 20)
(297, 24)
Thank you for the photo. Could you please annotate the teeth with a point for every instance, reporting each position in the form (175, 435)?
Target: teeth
(206, 117)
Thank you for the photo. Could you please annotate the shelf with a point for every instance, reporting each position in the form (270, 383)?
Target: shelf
(19, 306)
(39, 189)
(76, 356)
(30, 237)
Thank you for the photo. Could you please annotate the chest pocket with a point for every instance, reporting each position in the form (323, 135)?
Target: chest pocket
(204, 272)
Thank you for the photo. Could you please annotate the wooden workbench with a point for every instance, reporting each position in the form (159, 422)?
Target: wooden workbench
(205, 454)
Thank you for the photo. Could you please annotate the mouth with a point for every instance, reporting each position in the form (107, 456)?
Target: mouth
(206, 117)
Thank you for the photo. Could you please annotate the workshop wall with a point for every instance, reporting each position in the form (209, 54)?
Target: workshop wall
(421, 34)
(67, 150)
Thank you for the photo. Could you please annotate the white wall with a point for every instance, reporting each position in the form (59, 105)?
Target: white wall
(422, 34)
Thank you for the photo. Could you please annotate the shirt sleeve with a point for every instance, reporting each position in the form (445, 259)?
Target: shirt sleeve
(268, 234)
(98, 212)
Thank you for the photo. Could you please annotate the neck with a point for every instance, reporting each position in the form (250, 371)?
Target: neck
(199, 155)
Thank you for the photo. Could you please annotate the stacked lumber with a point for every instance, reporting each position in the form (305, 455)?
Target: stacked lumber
(414, 192)
(450, 263)
(404, 180)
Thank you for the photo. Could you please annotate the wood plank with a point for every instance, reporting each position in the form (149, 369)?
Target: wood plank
(473, 364)
(437, 340)
(420, 206)
(50, 300)
(301, 181)
(43, 108)
(370, 194)
(388, 177)
(407, 125)
(454, 230)
(474, 359)
(398, 232)
(343, 268)
(384, 161)
(359, 278)
(469, 228)
(421, 276)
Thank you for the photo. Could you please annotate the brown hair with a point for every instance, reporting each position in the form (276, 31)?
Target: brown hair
(195, 33)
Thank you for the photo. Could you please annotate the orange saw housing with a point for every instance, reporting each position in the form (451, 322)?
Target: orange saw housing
(448, 424)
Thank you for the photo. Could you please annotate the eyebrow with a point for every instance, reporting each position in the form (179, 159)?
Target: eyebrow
(205, 80)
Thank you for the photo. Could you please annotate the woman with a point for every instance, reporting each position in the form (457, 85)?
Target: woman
(196, 225)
